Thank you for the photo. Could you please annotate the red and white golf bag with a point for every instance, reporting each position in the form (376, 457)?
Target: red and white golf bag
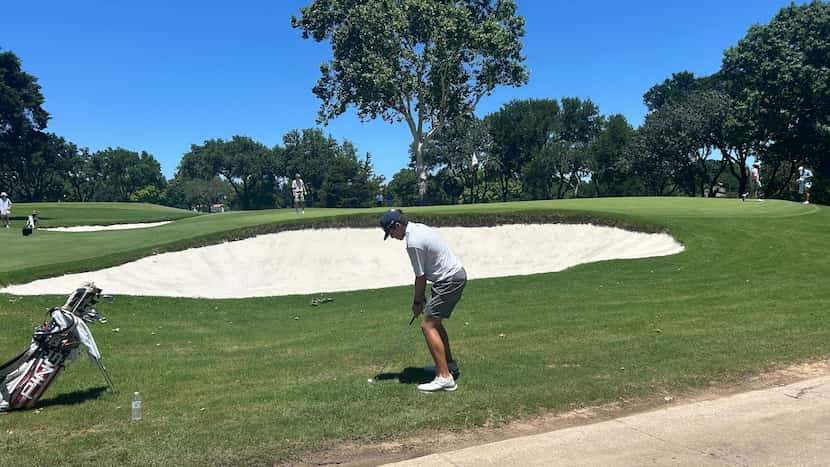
(25, 378)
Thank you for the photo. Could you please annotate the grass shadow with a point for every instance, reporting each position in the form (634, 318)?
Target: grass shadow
(409, 375)
(72, 398)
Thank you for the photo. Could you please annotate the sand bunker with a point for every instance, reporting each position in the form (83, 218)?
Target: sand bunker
(95, 228)
(330, 260)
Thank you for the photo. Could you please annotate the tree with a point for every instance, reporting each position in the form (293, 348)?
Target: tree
(460, 152)
(611, 168)
(671, 90)
(519, 129)
(196, 194)
(80, 177)
(348, 181)
(249, 167)
(653, 163)
(309, 153)
(21, 117)
(121, 172)
(404, 187)
(421, 61)
(41, 175)
(580, 125)
(685, 125)
(778, 73)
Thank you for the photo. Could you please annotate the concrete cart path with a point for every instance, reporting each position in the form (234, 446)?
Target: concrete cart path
(786, 425)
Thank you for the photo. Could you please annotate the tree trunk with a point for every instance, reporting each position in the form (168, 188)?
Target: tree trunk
(420, 170)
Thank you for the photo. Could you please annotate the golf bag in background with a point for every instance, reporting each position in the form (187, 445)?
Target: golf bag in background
(31, 224)
(25, 378)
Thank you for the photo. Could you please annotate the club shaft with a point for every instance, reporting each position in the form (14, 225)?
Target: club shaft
(397, 347)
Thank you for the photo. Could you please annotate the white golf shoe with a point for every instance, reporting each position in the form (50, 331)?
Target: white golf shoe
(439, 384)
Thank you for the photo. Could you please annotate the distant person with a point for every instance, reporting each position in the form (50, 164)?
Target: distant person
(805, 183)
(433, 261)
(299, 191)
(379, 200)
(5, 209)
(755, 180)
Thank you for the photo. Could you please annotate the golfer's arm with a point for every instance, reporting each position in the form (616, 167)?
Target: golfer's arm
(420, 288)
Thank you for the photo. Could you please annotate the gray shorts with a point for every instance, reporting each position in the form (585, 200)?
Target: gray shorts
(445, 295)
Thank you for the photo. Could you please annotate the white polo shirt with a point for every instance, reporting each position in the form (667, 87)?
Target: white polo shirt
(297, 186)
(5, 204)
(429, 254)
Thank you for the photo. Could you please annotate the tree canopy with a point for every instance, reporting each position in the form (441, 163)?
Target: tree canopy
(420, 61)
(21, 115)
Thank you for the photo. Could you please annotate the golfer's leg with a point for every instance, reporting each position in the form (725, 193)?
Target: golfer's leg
(436, 346)
(446, 341)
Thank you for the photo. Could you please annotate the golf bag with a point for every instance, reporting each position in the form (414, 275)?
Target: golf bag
(31, 224)
(25, 378)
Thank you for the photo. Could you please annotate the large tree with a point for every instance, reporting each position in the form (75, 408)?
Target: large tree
(425, 62)
(80, 177)
(22, 117)
(611, 167)
(43, 172)
(519, 129)
(349, 181)
(121, 172)
(310, 153)
(779, 73)
(689, 119)
(461, 151)
(250, 167)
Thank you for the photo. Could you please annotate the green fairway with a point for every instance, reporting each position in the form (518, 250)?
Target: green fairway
(264, 381)
(69, 214)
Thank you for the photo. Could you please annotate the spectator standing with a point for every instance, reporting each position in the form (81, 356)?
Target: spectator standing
(299, 191)
(755, 180)
(805, 183)
(5, 209)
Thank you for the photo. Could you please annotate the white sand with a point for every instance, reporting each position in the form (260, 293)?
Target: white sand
(95, 228)
(312, 261)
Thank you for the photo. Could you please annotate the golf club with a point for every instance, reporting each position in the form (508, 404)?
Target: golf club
(396, 350)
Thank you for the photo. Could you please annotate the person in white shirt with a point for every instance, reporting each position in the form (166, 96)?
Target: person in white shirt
(5, 209)
(433, 261)
(805, 183)
(299, 191)
(755, 179)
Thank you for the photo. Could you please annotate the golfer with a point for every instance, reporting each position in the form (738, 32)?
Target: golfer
(5, 209)
(805, 183)
(755, 180)
(299, 191)
(433, 261)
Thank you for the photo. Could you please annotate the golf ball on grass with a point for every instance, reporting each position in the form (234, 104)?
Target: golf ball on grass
(370, 380)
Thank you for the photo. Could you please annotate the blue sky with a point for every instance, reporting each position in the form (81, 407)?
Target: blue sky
(162, 75)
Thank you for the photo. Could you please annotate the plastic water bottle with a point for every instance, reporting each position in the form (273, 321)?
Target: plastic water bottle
(136, 406)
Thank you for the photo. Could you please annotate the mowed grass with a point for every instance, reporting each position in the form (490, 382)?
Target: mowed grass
(266, 380)
(69, 214)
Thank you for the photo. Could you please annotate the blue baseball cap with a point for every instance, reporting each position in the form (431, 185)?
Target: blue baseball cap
(389, 219)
